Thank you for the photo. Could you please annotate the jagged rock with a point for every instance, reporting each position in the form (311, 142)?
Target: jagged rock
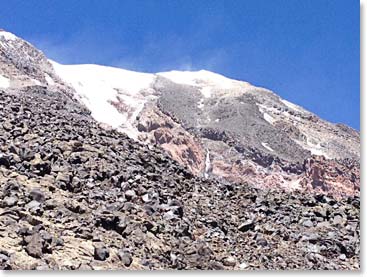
(37, 195)
(34, 246)
(101, 253)
(9, 201)
(246, 226)
(229, 261)
(130, 194)
(125, 258)
(307, 223)
(4, 161)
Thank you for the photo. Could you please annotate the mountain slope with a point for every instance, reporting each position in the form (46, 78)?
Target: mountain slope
(211, 124)
(221, 127)
(78, 193)
(78, 196)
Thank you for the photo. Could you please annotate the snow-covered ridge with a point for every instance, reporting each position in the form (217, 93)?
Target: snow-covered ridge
(205, 80)
(199, 78)
(7, 36)
(105, 89)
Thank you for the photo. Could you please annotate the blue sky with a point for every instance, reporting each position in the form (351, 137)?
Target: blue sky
(306, 51)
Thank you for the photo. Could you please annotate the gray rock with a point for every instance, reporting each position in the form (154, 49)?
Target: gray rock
(307, 223)
(37, 195)
(246, 226)
(229, 261)
(130, 194)
(10, 201)
(101, 253)
(342, 257)
(34, 246)
(338, 220)
(3, 258)
(125, 257)
(33, 205)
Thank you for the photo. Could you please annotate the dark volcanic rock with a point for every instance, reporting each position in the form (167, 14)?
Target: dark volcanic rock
(101, 253)
(103, 201)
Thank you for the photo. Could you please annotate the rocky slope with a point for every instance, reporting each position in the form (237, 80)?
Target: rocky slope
(246, 188)
(77, 196)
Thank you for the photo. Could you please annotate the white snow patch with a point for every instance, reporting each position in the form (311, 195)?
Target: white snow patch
(201, 104)
(269, 118)
(265, 145)
(38, 83)
(4, 82)
(318, 152)
(205, 80)
(207, 165)
(98, 85)
(7, 35)
(294, 184)
(217, 120)
(206, 91)
(198, 78)
(263, 109)
(291, 105)
(49, 80)
(315, 149)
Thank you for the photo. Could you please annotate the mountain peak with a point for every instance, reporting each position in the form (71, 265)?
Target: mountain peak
(4, 35)
(214, 125)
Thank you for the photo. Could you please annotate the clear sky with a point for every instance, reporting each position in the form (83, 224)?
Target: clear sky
(306, 51)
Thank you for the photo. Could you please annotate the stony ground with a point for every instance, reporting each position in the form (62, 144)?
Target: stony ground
(75, 195)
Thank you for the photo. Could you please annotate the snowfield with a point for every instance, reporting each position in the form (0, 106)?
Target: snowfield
(98, 86)
(4, 82)
(203, 79)
(105, 89)
(7, 36)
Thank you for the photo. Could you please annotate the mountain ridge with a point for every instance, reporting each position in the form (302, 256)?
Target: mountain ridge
(189, 192)
(204, 120)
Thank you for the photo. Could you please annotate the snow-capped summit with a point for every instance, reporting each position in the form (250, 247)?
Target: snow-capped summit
(99, 87)
(214, 125)
(4, 35)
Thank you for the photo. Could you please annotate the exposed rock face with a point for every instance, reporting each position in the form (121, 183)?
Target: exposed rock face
(229, 129)
(254, 136)
(23, 65)
(77, 196)
(159, 129)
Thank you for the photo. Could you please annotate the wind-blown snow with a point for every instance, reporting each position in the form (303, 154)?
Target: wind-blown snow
(4, 82)
(291, 105)
(49, 80)
(198, 78)
(7, 35)
(205, 80)
(268, 118)
(38, 83)
(207, 165)
(98, 85)
(267, 146)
